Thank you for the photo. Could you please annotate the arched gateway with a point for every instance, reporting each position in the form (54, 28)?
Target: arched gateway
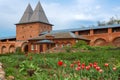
(25, 47)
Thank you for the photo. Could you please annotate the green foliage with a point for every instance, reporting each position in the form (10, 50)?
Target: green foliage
(80, 44)
(45, 66)
(28, 67)
(67, 48)
(18, 50)
(83, 45)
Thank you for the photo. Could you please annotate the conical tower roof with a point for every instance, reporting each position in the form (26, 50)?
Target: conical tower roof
(39, 15)
(27, 15)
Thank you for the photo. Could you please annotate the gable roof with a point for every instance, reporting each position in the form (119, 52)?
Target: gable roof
(60, 35)
(27, 15)
(39, 15)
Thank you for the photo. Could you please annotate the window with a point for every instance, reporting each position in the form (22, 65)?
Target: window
(116, 29)
(32, 47)
(100, 31)
(76, 41)
(36, 47)
(56, 45)
(30, 26)
(22, 36)
(86, 32)
(62, 45)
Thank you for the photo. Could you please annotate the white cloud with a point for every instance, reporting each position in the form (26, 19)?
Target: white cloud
(85, 1)
(98, 7)
(64, 14)
(60, 15)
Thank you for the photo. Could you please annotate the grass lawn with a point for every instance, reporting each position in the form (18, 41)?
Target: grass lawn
(92, 65)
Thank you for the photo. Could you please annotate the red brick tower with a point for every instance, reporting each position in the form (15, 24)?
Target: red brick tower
(32, 23)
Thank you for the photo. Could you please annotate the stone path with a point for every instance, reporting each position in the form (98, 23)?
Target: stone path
(2, 72)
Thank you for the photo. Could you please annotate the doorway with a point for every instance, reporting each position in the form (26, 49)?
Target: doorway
(41, 48)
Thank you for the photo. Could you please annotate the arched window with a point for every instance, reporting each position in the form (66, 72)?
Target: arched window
(4, 49)
(100, 42)
(12, 49)
(116, 42)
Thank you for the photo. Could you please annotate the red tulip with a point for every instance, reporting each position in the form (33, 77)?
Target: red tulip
(78, 64)
(87, 67)
(100, 70)
(91, 64)
(60, 63)
(97, 68)
(71, 65)
(114, 68)
(78, 68)
(83, 67)
(83, 64)
(94, 65)
(106, 64)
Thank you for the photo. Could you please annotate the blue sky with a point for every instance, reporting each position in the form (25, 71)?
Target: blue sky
(63, 14)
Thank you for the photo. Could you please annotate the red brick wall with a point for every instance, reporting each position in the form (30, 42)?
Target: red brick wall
(107, 37)
(30, 30)
(56, 41)
(6, 47)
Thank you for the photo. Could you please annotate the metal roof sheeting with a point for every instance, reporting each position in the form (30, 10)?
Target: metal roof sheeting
(10, 37)
(84, 28)
(89, 28)
(27, 15)
(59, 35)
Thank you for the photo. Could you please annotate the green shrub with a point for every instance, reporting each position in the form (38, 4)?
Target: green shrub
(67, 48)
(18, 50)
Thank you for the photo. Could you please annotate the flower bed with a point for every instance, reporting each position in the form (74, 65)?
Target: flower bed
(92, 65)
